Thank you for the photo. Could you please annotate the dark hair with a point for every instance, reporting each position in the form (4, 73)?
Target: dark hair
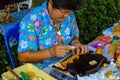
(67, 4)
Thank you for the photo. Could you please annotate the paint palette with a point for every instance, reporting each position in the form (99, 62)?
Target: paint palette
(83, 65)
(86, 64)
(63, 64)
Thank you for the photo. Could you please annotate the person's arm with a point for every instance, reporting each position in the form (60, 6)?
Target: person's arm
(80, 48)
(35, 56)
(75, 41)
(28, 46)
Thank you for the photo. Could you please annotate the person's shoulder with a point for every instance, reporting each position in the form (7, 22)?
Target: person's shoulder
(72, 14)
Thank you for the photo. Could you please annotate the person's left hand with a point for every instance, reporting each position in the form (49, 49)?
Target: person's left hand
(80, 49)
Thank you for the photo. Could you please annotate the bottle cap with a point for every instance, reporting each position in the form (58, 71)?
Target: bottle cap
(115, 37)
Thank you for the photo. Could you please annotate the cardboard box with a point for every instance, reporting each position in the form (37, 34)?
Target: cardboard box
(27, 67)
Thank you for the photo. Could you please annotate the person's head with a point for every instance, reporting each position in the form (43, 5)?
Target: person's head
(59, 9)
(67, 4)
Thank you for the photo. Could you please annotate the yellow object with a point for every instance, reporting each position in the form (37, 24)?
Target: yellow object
(108, 73)
(105, 65)
(118, 59)
(30, 74)
(99, 51)
(118, 65)
(116, 30)
(111, 79)
(70, 60)
(111, 49)
(27, 68)
(37, 78)
(58, 64)
(93, 62)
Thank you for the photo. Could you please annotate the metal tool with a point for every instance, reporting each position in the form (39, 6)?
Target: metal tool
(13, 73)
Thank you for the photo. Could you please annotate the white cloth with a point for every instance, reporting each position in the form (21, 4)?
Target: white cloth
(100, 75)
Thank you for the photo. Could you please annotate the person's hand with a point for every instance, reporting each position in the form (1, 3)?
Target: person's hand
(80, 49)
(60, 50)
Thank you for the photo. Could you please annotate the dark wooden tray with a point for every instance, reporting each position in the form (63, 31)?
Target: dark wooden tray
(82, 66)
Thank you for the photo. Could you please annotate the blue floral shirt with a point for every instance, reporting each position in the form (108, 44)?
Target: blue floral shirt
(37, 32)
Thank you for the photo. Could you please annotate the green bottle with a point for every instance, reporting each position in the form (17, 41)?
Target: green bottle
(112, 47)
(115, 39)
(24, 75)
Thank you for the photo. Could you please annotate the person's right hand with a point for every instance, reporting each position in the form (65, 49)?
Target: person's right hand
(60, 50)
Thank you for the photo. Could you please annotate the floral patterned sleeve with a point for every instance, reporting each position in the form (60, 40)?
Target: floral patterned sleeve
(71, 29)
(75, 30)
(28, 37)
